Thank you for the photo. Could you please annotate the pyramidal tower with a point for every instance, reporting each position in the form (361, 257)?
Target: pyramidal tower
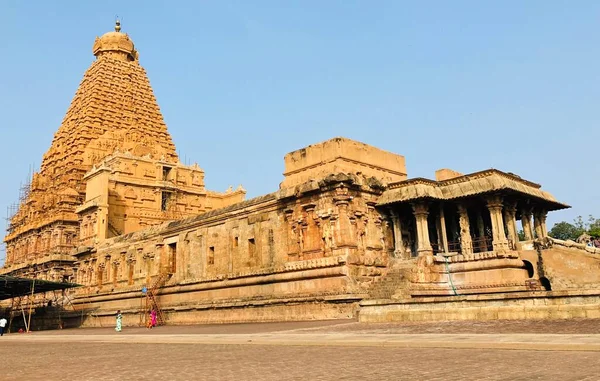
(114, 103)
(112, 136)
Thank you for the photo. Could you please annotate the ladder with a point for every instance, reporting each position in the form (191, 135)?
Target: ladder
(151, 301)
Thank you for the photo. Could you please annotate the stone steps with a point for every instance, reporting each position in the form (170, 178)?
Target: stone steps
(395, 282)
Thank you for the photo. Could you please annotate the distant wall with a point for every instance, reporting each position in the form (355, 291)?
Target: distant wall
(341, 155)
(446, 174)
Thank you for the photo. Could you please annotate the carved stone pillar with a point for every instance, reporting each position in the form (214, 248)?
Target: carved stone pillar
(494, 204)
(311, 236)
(100, 274)
(438, 231)
(148, 261)
(510, 212)
(399, 250)
(115, 274)
(442, 224)
(292, 233)
(107, 268)
(93, 272)
(123, 265)
(526, 222)
(543, 216)
(84, 269)
(539, 222)
(130, 270)
(374, 228)
(480, 225)
(343, 236)
(10, 254)
(384, 233)
(421, 211)
(466, 243)
(61, 238)
(326, 234)
(360, 223)
(36, 244)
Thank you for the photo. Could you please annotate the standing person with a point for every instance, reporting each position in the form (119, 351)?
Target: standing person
(2, 325)
(153, 317)
(149, 320)
(119, 321)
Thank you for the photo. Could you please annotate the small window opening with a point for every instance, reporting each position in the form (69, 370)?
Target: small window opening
(546, 283)
(164, 203)
(165, 173)
(211, 255)
(252, 248)
(529, 268)
(236, 241)
(173, 257)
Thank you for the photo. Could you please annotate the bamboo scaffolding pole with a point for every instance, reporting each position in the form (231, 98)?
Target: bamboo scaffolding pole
(24, 319)
(30, 305)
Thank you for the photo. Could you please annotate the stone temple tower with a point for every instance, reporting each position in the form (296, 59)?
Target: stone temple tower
(113, 123)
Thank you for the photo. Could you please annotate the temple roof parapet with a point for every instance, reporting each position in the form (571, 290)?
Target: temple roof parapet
(341, 155)
(488, 181)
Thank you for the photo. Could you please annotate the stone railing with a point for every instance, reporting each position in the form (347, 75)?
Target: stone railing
(474, 257)
(575, 245)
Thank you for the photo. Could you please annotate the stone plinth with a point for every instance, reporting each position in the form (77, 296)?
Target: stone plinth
(508, 306)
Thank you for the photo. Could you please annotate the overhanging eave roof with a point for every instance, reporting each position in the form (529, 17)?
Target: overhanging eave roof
(12, 287)
(489, 181)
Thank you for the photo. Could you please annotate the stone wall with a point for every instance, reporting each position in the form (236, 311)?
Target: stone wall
(317, 248)
(510, 306)
(575, 245)
(341, 155)
(566, 268)
(127, 193)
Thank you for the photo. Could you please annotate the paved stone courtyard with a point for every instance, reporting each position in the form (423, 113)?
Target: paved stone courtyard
(501, 350)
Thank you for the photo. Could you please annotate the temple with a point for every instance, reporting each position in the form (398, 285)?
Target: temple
(111, 169)
(346, 234)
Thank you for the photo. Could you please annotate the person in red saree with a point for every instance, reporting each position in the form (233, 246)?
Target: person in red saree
(153, 320)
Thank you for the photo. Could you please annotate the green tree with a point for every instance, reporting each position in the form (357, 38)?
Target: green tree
(594, 228)
(564, 230)
(579, 224)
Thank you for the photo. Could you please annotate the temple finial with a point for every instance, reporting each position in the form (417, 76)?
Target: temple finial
(117, 25)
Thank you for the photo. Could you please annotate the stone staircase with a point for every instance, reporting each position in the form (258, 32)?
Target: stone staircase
(113, 229)
(395, 284)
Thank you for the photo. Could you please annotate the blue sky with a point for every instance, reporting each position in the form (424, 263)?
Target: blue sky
(466, 85)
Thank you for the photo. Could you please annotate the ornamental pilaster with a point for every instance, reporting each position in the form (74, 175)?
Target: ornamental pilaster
(499, 241)
(441, 223)
(421, 211)
(526, 222)
(539, 222)
(466, 243)
(343, 236)
(311, 234)
(399, 249)
(510, 213)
